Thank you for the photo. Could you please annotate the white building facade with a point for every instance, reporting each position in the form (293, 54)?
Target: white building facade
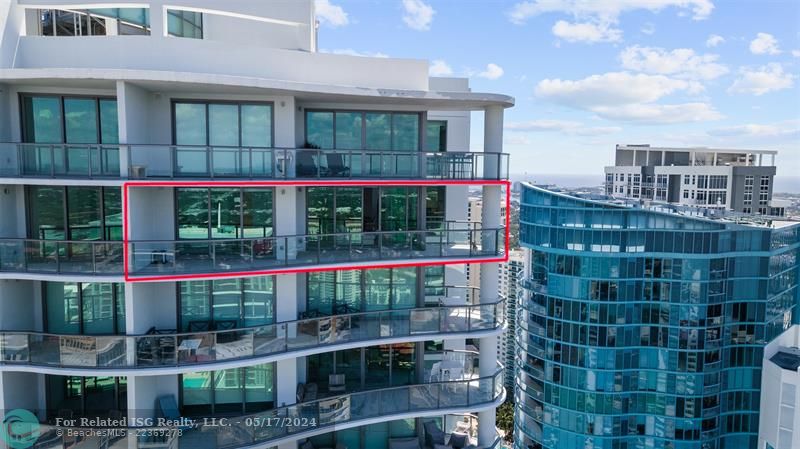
(205, 218)
(780, 392)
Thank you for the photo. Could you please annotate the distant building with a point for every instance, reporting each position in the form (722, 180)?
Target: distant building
(738, 180)
(511, 273)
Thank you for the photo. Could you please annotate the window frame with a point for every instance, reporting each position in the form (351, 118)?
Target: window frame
(114, 295)
(421, 128)
(210, 288)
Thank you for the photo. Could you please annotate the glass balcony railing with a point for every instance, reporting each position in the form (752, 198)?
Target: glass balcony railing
(463, 392)
(59, 160)
(186, 161)
(61, 257)
(170, 349)
(257, 254)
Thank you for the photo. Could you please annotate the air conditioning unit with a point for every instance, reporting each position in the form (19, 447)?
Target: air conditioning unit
(138, 171)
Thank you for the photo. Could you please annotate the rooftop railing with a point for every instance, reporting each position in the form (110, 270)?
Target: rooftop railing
(203, 162)
(160, 349)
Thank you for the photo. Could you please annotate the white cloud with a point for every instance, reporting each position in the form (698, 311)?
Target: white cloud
(492, 72)
(796, 53)
(714, 40)
(439, 67)
(563, 126)
(418, 14)
(586, 32)
(682, 62)
(764, 79)
(628, 97)
(351, 52)
(787, 128)
(330, 14)
(648, 28)
(604, 10)
(660, 113)
(764, 43)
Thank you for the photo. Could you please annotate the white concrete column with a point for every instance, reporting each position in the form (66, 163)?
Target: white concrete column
(286, 372)
(144, 390)
(492, 138)
(288, 223)
(158, 20)
(133, 111)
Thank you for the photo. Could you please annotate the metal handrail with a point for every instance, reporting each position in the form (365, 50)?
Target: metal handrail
(139, 351)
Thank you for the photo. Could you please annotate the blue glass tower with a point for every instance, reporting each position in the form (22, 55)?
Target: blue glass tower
(644, 328)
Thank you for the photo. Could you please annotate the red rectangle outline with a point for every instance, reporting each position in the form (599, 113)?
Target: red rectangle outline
(320, 183)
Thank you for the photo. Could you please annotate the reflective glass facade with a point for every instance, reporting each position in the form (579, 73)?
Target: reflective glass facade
(645, 329)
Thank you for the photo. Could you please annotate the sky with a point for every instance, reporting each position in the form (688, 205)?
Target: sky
(589, 74)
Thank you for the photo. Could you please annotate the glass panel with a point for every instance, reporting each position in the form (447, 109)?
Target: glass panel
(257, 212)
(377, 369)
(225, 213)
(403, 428)
(436, 136)
(195, 305)
(43, 120)
(228, 391)
(321, 291)
(185, 23)
(197, 394)
(80, 117)
(223, 125)
(349, 207)
(85, 221)
(225, 302)
(120, 291)
(46, 213)
(109, 125)
(320, 210)
(404, 288)
(190, 124)
(259, 387)
(259, 300)
(348, 291)
(98, 308)
(403, 364)
(192, 213)
(112, 208)
(319, 129)
(379, 131)
(348, 130)
(378, 285)
(63, 308)
(405, 133)
(376, 436)
(435, 207)
(256, 125)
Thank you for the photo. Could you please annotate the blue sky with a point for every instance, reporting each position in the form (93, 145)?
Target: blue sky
(588, 74)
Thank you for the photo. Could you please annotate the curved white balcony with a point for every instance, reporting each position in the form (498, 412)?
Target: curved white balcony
(433, 396)
(165, 352)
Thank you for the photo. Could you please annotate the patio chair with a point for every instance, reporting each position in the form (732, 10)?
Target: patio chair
(336, 383)
(167, 408)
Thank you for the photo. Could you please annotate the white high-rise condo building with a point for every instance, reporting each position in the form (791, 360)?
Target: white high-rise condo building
(203, 219)
(734, 180)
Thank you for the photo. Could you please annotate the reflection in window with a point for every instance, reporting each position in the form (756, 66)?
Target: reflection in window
(351, 291)
(218, 213)
(226, 303)
(87, 396)
(92, 213)
(235, 391)
(185, 23)
(354, 130)
(84, 308)
(94, 22)
(436, 136)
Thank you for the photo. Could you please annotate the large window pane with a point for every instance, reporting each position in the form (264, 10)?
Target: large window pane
(319, 129)
(436, 136)
(379, 131)
(109, 125)
(197, 393)
(435, 207)
(112, 208)
(228, 391)
(378, 285)
(377, 369)
(42, 120)
(195, 301)
(46, 212)
(348, 209)
(405, 133)
(259, 387)
(80, 118)
(321, 292)
(257, 212)
(63, 308)
(192, 213)
(98, 308)
(185, 23)
(259, 300)
(320, 210)
(85, 221)
(348, 130)
(348, 291)
(223, 124)
(225, 218)
(190, 124)
(404, 288)
(226, 300)
(256, 125)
